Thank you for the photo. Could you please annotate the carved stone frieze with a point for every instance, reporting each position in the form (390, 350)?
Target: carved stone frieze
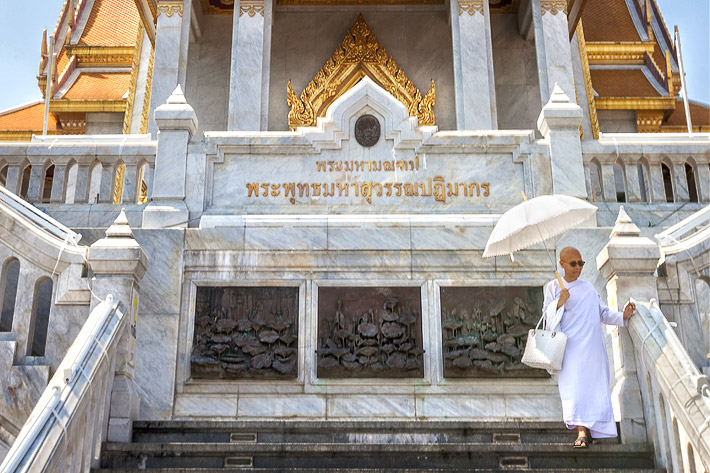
(553, 7)
(359, 55)
(484, 330)
(245, 332)
(471, 7)
(366, 332)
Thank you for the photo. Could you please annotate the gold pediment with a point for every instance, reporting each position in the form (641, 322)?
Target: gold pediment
(359, 55)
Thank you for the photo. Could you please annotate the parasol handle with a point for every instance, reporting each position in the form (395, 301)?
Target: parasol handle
(559, 280)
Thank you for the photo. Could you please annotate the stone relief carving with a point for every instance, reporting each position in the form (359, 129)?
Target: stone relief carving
(369, 332)
(245, 332)
(484, 330)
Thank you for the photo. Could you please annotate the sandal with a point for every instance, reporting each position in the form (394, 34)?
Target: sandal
(581, 442)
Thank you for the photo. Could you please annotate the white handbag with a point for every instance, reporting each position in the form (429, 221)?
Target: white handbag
(544, 349)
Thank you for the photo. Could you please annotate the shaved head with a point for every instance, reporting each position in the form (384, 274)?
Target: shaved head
(569, 253)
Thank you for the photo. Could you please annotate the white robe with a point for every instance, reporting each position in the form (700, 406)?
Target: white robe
(584, 378)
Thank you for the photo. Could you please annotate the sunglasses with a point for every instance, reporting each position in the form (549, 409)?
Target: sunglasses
(575, 263)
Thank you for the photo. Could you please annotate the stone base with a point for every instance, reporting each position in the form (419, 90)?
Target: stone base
(165, 215)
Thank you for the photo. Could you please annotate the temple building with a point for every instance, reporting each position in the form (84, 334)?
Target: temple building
(249, 235)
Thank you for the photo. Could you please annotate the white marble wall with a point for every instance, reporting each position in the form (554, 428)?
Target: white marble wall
(104, 123)
(418, 40)
(617, 121)
(516, 79)
(208, 93)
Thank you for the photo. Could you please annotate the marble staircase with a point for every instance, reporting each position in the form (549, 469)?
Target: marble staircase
(366, 447)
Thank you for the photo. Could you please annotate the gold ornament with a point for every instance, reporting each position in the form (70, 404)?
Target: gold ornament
(359, 55)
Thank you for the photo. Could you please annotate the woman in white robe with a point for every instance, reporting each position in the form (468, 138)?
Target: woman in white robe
(583, 381)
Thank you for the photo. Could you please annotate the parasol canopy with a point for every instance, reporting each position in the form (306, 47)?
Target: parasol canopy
(535, 221)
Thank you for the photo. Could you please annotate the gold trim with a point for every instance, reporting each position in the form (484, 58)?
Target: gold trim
(118, 184)
(170, 8)
(102, 56)
(583, 45)
(605, 53)
(635, 103)
(553, 7)
(359, 55)
(83, 106)
(146, 98)
(128, 117)
(359, 2)
(649, 121)
(251, 8)
(471, 8)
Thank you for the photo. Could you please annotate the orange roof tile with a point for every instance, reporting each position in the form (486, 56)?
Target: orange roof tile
(112, 23)
(699, 114)
(99, 86)
(608, 20)
(622, 83)
(27, 117)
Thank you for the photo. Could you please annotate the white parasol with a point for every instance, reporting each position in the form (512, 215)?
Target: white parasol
(535, 221)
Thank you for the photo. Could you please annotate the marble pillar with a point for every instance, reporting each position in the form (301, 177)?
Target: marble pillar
(680, 183)
(34, 191)
(129, 184)
(608, 184)
(177, 124)
(58, 182)
(628, 263)
(552, 45)
(108, 182)
(250, 66)
(474, 82)
(173, 18)
(702, 180)
(633, 184)
(13, 179)
(559, 123)
(658, 191)
(83, 179)
(119, 263)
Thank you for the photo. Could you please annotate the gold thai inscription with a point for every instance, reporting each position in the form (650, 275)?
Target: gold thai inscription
(437, 187)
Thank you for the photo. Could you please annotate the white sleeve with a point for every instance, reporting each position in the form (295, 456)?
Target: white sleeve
(608, 316)
(549, 306)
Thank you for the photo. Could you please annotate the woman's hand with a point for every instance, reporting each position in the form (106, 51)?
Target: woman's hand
(564, 296)
(629, 309)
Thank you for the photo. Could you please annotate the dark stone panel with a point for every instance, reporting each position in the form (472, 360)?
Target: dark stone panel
(484, 330)
(245, 333)
(369, 332)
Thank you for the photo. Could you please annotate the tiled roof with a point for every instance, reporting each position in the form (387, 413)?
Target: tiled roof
(99, 86)
(622, 83)
(699, 114)
(28, 117)
(608, 20)
(112, 23)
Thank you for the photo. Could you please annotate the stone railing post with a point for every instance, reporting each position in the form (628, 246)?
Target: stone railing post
(559, 123)
(119, 263)
(628, 263)
(177, 124)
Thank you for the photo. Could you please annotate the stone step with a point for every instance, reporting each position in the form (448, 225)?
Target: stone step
(353, 432)
(377, 470)
(389, 456)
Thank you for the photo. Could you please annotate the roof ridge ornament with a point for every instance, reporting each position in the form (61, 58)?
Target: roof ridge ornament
(359, 55)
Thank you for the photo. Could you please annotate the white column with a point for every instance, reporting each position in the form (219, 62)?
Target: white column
(169, 44)
(552, 44)
(681, 183)
(83, 179)
(36, 187)
(250, 66)
(474, 82)
(658, 190)
(129, 184)
(108, 182)
(702, 180)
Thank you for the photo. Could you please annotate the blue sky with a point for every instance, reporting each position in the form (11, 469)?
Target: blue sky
(21, 25)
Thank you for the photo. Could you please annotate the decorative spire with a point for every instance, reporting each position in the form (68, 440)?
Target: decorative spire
(120, 227)
(177, 96)
(624, 226)
(44, 53)
(558, 95)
